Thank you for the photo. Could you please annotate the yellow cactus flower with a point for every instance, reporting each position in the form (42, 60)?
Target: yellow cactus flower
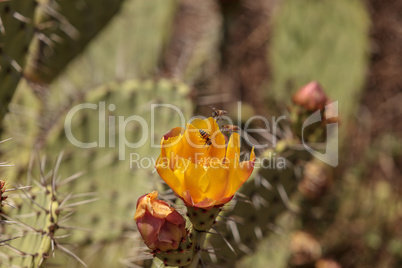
(200, 167)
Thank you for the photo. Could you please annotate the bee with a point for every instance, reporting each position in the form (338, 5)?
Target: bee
(205, 136)
(217, 114)
(229, 128)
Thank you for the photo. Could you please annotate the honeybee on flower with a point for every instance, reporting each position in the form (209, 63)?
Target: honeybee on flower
(203, 177)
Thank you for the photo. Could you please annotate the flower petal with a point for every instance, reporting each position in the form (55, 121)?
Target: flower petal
(163, 168)
(149, 227)
(170, 142)
(199, 123)
(194, 145)
(175, 218)
(141, 207)
(160, 209)
(233, 149)
(216, 180)
(191, 175)
(169, 232)
(218, 148)
(206, 203)
(187, 198)
(239, 174)
(173, 133)
(223, 200)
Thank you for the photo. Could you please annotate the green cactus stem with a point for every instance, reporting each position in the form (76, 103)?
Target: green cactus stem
(16, 32)
(32, 221)
(202, 219)
(65, 29)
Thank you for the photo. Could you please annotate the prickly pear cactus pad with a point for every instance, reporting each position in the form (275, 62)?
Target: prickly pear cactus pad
(34, 221)
(65, 28)
(16, 32)
(98, 135)
(114, 173)
(3, 195)
(127, 39)
(300, 48)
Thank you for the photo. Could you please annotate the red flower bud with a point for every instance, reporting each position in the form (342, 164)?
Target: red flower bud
(161, 226)
(311, 97)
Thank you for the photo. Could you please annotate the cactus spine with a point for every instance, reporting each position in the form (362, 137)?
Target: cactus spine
(16, 32)
(33, 222)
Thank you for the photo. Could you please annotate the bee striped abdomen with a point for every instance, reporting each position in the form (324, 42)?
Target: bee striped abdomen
(205, 136)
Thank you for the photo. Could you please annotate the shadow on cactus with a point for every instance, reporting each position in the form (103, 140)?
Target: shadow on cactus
(16, 32)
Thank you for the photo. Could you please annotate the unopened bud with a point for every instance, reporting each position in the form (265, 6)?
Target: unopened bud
(160, 225)
(311, 97)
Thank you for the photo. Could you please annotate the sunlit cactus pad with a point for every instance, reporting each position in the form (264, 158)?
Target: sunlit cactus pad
(34, 220)
(65, 28)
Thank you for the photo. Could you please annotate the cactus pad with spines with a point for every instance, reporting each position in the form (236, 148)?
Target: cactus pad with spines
(34, 216)
(16, 32)
(107, 173)
(108, 167)
(117, 172)
(179, 257)
(2, 194)
(268, 196)
(202, 219)
(65, 28)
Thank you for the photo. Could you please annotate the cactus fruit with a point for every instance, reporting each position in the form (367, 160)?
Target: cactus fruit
(202, 219)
